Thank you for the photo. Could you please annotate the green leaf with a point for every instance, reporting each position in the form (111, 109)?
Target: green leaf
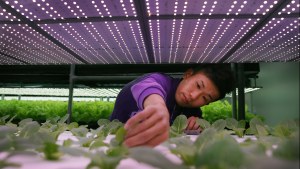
(251, 131)
(51, 151)
(256, 121)
(219, 124)
(67, 143)
(24, 121)
(179, 124)
(120, 135)
(152, 157)
(281, 131)
(117, 151)
(181, 141)
(186, 153)
(63, 119)
(220, 154)
(29, 129)
(203, 123)
(72, 125)
(97, 143)
(80, 131)
(239, 132)
(103, 122)
(261, 130)
(231, 123)
(3, 119)
(205, 137)
(101, 160)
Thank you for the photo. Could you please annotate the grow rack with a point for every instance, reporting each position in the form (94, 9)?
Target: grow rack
(119, 40)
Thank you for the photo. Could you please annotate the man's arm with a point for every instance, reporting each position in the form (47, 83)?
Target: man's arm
(149, 127)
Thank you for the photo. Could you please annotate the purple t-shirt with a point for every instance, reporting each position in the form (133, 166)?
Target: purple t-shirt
(131, 97)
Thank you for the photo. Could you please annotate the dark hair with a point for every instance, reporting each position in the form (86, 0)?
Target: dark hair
(220, 74)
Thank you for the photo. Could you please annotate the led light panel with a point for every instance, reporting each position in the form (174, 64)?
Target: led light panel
(200, 7)
(6, 16)
(200, 41)
(102, 42)
(165, 31)
(23, 43)
(277, 41)
(61, 9)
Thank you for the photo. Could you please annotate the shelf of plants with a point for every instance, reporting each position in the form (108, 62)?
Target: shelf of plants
(221, 145)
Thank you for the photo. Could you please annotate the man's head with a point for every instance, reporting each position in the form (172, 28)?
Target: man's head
(204, 84)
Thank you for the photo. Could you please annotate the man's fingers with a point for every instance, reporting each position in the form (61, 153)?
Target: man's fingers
(138, 118)
(143, 137)
(157, 140)
(192, 124)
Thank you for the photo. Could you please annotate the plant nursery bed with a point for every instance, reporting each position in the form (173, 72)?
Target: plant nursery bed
(225, 144)
(37, 161)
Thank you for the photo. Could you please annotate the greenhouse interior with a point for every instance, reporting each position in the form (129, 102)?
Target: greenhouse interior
(64, 63)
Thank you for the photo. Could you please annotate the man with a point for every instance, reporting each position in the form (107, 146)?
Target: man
(149, 104)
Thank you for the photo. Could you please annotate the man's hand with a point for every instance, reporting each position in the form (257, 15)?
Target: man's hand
(149, 127)
(192, 124)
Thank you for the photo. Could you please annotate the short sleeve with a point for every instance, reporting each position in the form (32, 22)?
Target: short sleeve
(145, 88)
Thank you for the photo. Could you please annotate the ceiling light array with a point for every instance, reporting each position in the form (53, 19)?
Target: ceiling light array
(78, 92)
(24, 43)
(155, 45)
(206, 52)
(241, 32)
(281, 39)
(8, 61)
(254, 50)
(293, 7)
(183, 41)
(4, 15)
(87, 42)
(222, 33)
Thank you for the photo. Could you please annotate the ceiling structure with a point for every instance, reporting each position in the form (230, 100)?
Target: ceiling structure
(51, 32)
(122, 39)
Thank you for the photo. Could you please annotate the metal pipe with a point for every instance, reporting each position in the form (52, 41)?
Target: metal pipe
(71, 88)
(233, 98)
(102, 78)
(241, 94)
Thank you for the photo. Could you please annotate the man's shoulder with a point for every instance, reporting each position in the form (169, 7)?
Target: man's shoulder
(158, 74)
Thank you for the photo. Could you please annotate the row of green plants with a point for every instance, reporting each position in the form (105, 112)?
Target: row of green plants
(83, 112)
(88, 112)
(215, 148)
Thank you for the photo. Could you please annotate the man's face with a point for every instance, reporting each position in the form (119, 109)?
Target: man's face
(195, 90)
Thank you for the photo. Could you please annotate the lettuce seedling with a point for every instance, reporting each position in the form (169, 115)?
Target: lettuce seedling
(178, 126)
(51, 151)
(237, 126)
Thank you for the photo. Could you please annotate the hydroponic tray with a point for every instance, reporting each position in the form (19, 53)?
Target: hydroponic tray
(34, 161)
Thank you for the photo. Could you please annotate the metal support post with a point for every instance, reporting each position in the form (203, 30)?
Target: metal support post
(241, 94)
(71, 87)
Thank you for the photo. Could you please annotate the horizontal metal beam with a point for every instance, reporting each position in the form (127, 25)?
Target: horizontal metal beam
(103, 78)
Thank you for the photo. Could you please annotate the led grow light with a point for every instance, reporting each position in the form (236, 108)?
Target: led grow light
(106, 32)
